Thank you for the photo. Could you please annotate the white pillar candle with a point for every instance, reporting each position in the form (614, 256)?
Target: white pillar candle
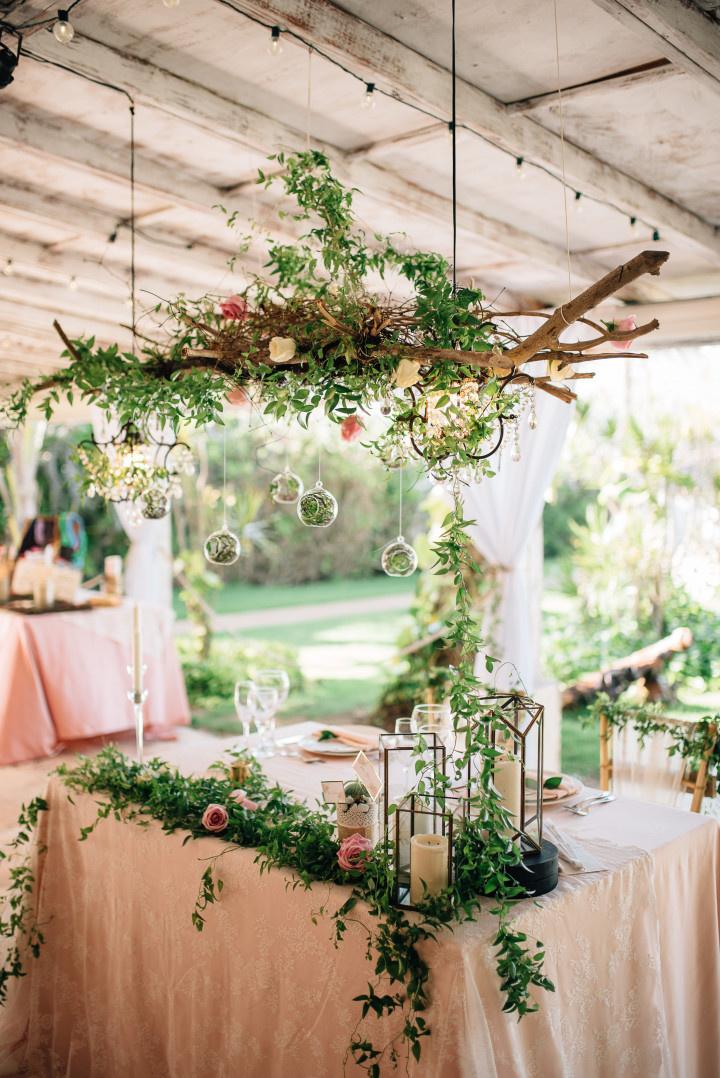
(137, 652)
(428, 865)
(507, 778)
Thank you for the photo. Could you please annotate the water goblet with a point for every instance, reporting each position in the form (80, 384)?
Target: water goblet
(266, 704)
(245, 708)
(278, 680)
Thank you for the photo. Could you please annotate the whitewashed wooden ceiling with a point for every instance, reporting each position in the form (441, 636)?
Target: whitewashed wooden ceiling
(641, 82)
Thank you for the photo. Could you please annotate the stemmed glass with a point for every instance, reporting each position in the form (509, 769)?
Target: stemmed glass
(266, 705)
(246, 708)
(279, 681)
(435, 719)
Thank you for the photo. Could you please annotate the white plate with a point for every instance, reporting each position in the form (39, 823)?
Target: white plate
(331, 747)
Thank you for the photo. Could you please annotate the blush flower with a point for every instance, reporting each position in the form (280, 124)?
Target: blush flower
(234, 308)
(350, 855)
(215, 818)
(243, 800)
(282, 349)
(351, 428)
(624, 324)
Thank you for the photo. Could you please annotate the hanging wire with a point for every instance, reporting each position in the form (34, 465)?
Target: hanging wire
(308, 99)
(224, 485)
(454, 156)
(400, 514)
(133, 290)
(561, 105)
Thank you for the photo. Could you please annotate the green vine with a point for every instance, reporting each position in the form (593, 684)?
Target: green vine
(17, 921)
(692, 741)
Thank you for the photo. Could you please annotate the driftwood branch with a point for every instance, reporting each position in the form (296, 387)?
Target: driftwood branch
(547, 334)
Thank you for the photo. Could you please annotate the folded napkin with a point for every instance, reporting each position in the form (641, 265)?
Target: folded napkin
(573, 854)
(350, 738)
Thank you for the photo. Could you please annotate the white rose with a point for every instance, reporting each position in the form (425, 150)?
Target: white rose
(282, 349)
(407, 373)
(555, 374)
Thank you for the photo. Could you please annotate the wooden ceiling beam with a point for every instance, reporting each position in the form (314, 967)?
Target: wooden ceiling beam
(677, 29)
(653, 72)
(401, 71)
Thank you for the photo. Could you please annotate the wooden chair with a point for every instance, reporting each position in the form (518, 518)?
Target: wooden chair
(697, 784)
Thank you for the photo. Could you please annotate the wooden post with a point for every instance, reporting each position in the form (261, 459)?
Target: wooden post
(605, 753)
(702, 774)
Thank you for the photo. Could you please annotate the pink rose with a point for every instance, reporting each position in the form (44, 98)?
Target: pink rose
(350, 855)
(235, 308)
(215, 818)
(243, 800)
(351, 428)
(623, 325)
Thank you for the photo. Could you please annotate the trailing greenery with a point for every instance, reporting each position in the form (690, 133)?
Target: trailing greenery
(691, 741)
(17, 915)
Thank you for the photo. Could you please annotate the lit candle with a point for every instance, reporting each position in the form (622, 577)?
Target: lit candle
(137, 652)
(428, 865)
(507, 778)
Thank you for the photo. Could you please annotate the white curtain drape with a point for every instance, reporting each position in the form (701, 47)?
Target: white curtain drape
(18, 486)
(148, 565)
(507, 511)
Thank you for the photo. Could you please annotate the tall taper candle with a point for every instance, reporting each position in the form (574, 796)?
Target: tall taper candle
(137, 651)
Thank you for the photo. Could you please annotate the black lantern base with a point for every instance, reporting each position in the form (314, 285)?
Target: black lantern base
(538, 871)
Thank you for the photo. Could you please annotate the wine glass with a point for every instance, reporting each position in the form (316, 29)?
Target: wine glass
(278, 680)
(434, 719)
(245, 708)
(404, 730)
(266, 705)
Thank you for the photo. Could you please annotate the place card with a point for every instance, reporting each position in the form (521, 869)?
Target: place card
(333, 791)
(368, 775)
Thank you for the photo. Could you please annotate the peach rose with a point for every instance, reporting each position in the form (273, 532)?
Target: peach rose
(350, 855)
(243, 800)
(215, 818)
(282, 349)
(234, 308)
(351, 428)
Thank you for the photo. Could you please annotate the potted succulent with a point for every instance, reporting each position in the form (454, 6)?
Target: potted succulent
(359, 814)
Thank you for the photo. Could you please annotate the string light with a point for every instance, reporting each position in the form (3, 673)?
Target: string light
(72, 284)
(8, 268)
(368, 98)
(521, 172)
(170, 3)
(578, 202)
(633, 222)
(656, 235)
(63, 30)
(275, 46)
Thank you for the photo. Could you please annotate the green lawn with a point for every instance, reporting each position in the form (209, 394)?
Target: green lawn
(237, 597)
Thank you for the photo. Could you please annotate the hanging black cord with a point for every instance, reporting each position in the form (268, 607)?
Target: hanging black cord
(132, 223)
(454, 158)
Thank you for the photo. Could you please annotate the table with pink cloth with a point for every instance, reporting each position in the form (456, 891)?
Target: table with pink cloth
(126, 987)
(63, 678)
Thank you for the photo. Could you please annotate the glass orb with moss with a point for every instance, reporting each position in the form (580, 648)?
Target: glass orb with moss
(317, 508)
(286, 487)
(399, 558)
(222, 547)
(155, 504)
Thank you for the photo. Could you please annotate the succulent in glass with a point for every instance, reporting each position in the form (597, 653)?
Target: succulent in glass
(222, 547)
(286, 487)
(155, 504)
(317, 508)
(355, 793)
(399, 558)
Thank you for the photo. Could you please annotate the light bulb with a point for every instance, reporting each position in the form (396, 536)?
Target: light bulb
(63, 30)
(8, 268)
(170, 3)
(72, 284)
(368, 98)
(578, 202)
(275, 46)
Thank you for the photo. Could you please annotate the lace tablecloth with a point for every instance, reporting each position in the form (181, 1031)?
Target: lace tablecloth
(63, 678)
(127, 988)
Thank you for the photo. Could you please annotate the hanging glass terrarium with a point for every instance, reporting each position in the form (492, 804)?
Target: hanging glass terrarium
(222, 547)
(317, 508)
(286, 487)
(399, 558)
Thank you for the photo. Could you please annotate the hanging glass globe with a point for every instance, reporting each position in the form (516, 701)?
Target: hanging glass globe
(222, 547)
(155, 504)
(317, 508)
(399, 558)
(286, 487)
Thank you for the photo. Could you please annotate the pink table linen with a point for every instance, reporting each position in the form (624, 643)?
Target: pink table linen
(126, 987)
(63, 678)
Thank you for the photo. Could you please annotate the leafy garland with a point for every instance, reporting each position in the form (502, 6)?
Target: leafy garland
(19, 925)
(691, 742)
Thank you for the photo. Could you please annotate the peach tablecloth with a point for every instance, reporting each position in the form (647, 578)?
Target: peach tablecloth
(63, 678)
(127, 988)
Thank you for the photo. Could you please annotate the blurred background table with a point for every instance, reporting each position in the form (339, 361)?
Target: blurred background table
(63, 678)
